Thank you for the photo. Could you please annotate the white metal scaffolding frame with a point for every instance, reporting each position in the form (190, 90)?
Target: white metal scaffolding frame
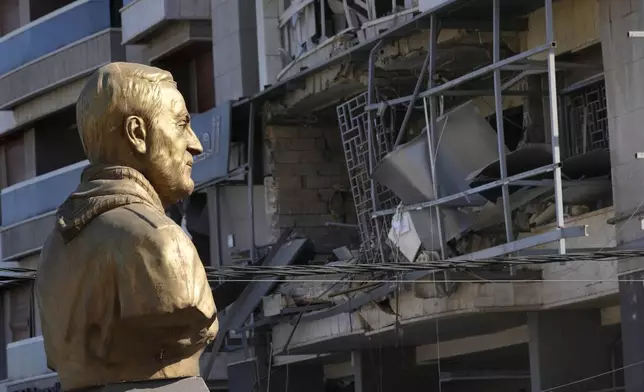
(429, 103)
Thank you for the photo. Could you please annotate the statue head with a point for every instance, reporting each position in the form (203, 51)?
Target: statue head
(133, 115)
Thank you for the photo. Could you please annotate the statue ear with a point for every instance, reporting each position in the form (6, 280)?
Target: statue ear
(136, 133)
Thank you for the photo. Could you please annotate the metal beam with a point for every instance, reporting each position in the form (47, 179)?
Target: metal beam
(387, 288)
(519, 24)
(518, 78)
(250, 178)
(484, 375)
(430, 123)
(500, 132)
(438, 90)
(554, 124)
(478, 189)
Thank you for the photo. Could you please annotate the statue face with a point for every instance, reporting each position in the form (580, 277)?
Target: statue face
(172, 145)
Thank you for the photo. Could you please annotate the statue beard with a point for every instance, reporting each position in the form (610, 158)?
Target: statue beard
(170, 178)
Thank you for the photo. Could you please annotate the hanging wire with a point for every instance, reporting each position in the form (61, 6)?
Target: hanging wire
(581, 380)
(249, 273)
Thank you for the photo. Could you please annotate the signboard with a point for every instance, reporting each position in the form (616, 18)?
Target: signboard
(213, 130)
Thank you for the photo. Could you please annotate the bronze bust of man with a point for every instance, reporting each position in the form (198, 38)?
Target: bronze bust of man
(123, 296)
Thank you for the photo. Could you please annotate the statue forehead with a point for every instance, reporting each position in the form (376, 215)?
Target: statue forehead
(171, 100)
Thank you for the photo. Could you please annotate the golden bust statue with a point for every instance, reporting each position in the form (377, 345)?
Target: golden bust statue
(123, 295)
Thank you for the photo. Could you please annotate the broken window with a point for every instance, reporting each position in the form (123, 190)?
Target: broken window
(586, 120)
(306, 24)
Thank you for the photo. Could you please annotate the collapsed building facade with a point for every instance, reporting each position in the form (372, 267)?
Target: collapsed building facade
(338, 133)
(553, 184)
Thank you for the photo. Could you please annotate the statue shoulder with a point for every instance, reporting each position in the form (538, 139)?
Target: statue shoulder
(139, 222)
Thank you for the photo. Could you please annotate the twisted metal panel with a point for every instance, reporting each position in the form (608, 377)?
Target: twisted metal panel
(353, 120)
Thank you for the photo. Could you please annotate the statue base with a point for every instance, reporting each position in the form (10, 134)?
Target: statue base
(190, 384)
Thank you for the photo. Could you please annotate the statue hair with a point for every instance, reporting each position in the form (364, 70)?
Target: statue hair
(112, 94)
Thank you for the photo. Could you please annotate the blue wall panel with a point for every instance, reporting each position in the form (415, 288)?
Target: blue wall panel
(213, 130)
(40, 194)
(48, 34)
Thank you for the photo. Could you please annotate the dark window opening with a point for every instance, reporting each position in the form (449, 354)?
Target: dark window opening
(512, 126)
(194, 73)
(57, 142)
(197, 224)
(330, 29)
(384, 7)
(40, 8)
(15, 163)
(115, 14)
(9, 16)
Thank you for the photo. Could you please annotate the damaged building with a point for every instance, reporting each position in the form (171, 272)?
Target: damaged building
(554, 184)
(346, 133)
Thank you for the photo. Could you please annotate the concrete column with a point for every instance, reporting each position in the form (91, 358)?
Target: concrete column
(568, 346)
(30, 153)
(631, 293)
(25, 14)
(214, 225)
(268, 42)
(234, 41)
(623, 63)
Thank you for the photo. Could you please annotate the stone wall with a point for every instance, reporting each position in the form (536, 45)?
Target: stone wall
(308, 184)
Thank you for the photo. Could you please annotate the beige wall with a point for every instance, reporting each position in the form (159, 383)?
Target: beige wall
(576, 25)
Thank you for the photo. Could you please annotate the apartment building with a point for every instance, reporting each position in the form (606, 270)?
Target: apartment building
(284, 96)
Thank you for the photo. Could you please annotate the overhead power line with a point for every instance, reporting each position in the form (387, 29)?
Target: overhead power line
(495, 263)
(248, 273)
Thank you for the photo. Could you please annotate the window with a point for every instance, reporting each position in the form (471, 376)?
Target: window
(57, 142)
(9, 16)
(14, 159)
(193, 71)
(22, 312)
(40, 8)
(302, 28)
(586, 120)
(115, 13)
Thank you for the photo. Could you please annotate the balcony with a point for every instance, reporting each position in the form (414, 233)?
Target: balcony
(56, 49)
(27, 207)
(141, 18)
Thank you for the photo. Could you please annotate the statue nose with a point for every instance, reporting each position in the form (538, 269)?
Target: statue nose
(194, 145)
